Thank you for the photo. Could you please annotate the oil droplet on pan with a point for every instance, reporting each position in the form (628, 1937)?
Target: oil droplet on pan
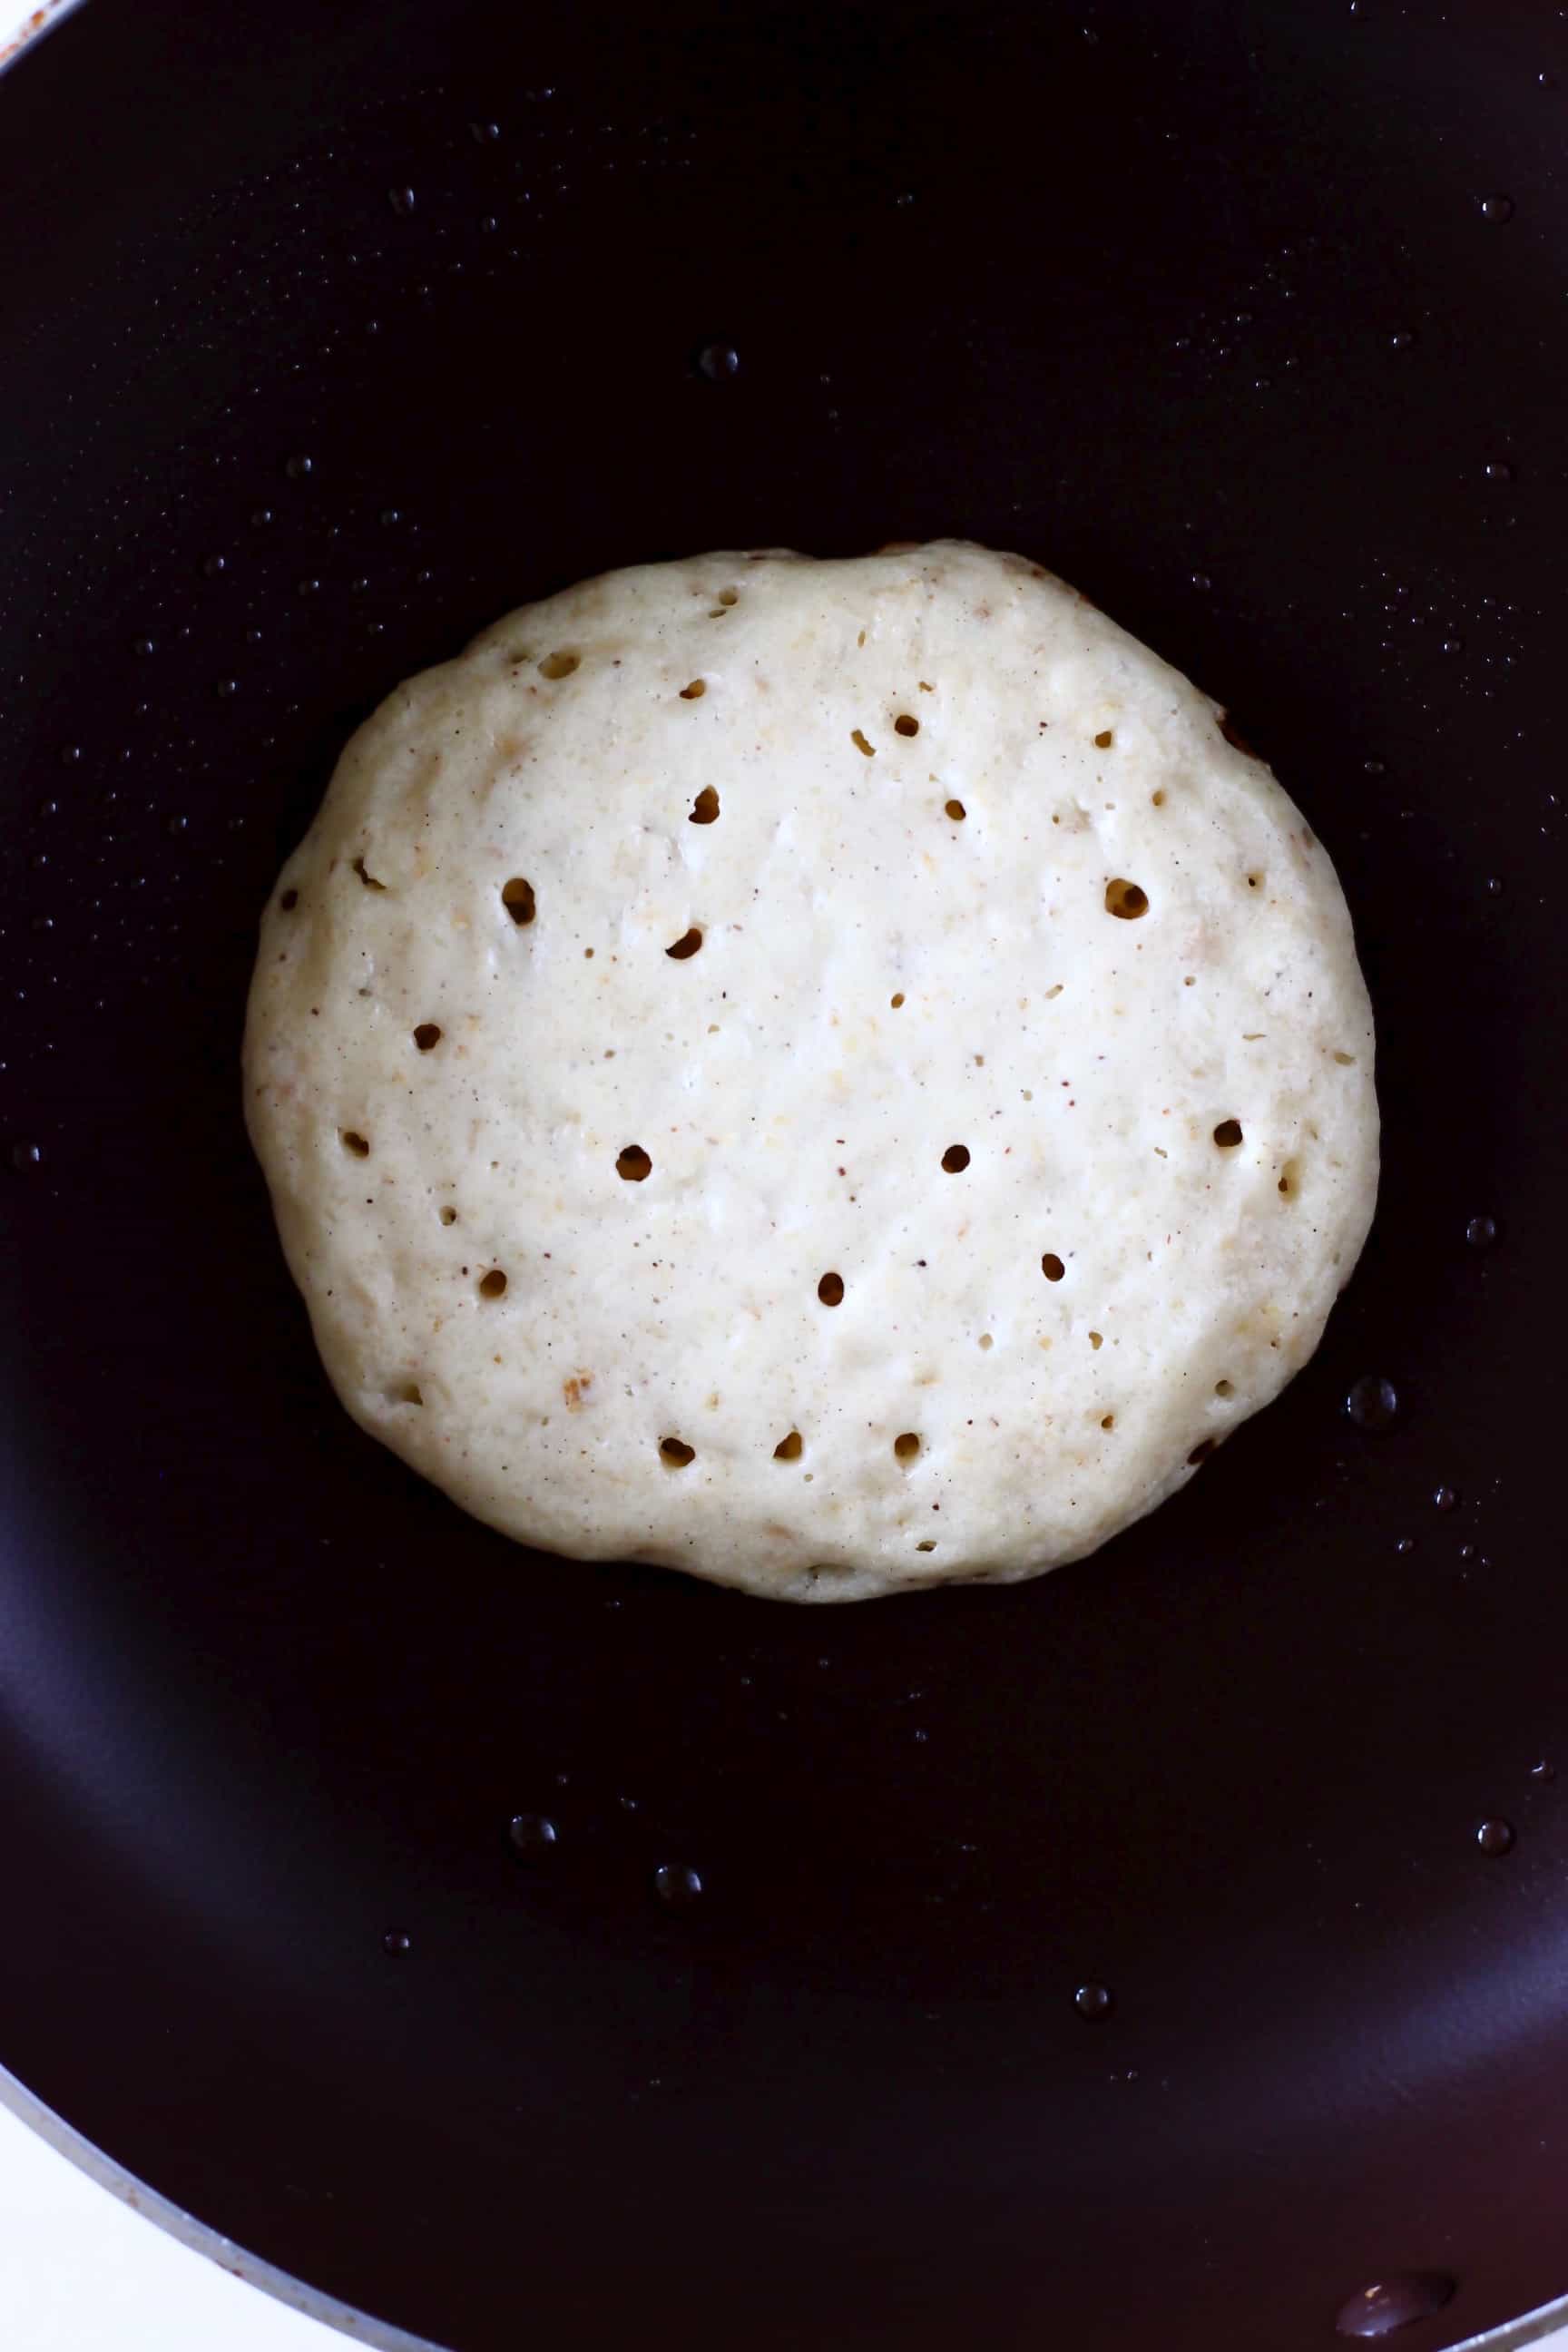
(395, 1943)
(1372, 1403)
(718, 362)
(1482, 1232)
(1495, 1837)
(1394, 2302)
(533, 1833)
(1497, 208)
(26, 1156)
(1094, 2001)
(677, 1885)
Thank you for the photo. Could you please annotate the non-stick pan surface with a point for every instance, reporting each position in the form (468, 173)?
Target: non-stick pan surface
(326, 336)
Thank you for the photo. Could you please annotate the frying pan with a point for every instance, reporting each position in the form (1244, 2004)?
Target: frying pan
(325, 337)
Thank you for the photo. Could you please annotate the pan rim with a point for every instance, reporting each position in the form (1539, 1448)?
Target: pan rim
(202, 2238)
(1512, 2335)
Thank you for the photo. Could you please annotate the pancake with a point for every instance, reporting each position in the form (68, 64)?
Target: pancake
(830, 1076)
